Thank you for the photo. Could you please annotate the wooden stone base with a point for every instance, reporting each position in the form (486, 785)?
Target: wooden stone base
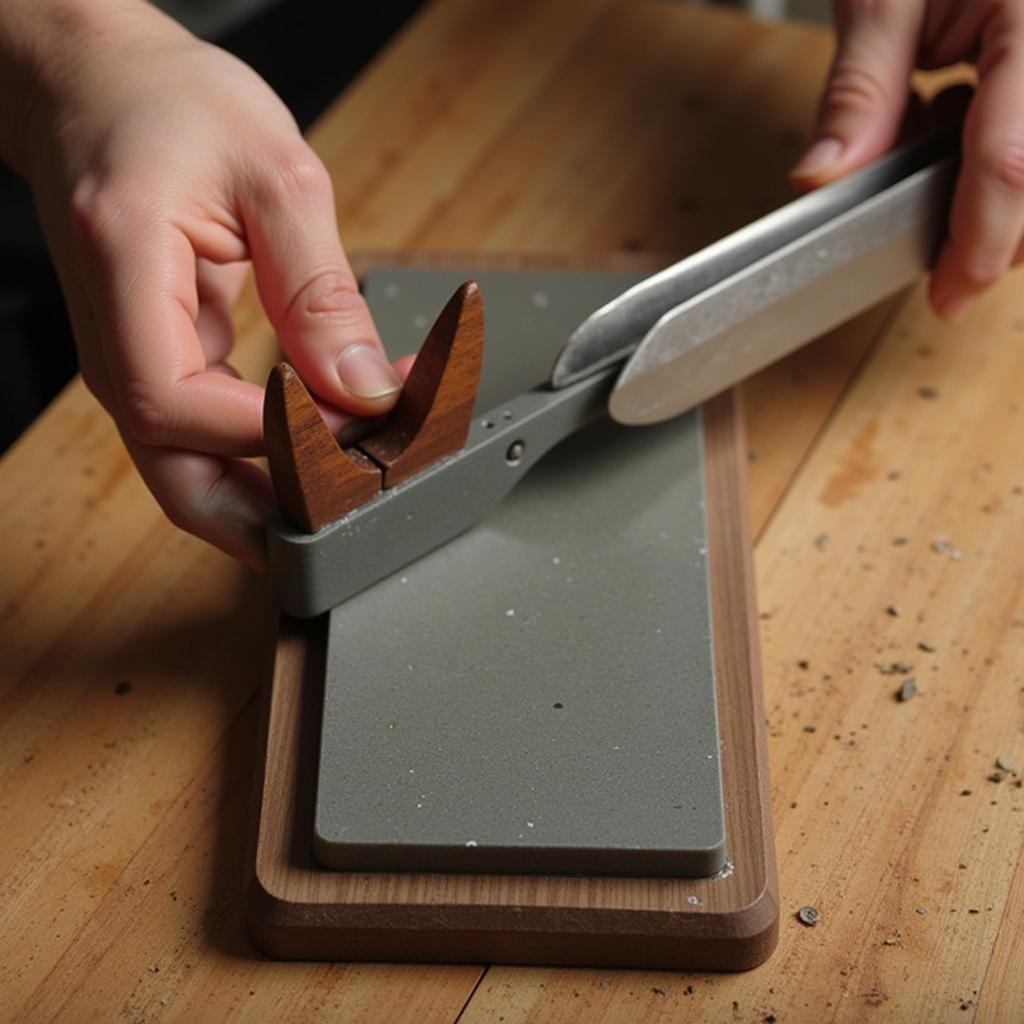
(298, 910)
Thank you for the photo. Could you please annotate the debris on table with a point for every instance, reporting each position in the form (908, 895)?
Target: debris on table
(907, 691)
(1004, 764)
(895, 668)
(808, 916)
(942, 546)
(894, 610)
(927, 646)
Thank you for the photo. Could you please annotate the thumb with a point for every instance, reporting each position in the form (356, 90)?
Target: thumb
(867, 90)
(308, 290)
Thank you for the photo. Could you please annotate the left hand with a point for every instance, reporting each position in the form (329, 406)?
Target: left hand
(880, 43)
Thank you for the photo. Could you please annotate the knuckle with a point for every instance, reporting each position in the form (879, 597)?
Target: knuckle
(1005, 163)
(981, 273)
(94, 210)
(144, 417)
(853, 88)
(297, 173)
(332, 295)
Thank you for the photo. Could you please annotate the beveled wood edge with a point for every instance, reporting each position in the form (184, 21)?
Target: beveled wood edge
(288, 921)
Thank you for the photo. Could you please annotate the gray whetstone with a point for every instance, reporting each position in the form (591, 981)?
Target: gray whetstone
(537, 695)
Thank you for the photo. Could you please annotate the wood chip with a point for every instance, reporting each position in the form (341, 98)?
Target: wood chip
(1004, 764)
(927, 646)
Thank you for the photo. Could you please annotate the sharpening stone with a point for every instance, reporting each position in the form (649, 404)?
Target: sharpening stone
(538, 695)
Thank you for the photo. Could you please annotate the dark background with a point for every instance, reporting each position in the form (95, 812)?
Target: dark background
(308, 50)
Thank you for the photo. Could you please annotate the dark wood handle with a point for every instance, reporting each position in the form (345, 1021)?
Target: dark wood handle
(317, 482)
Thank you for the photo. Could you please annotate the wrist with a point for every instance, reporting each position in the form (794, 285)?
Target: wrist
(46, 48)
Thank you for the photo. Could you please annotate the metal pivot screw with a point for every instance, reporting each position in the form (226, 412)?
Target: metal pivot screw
(515, 453)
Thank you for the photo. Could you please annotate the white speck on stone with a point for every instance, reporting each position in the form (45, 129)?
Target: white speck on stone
(391, 290)
(419, 321)
(529, 824)
(471, 842)
(418, 804)
(556, 560)
(510, 612)
(540, 300)
(404, 579)
(694, 901)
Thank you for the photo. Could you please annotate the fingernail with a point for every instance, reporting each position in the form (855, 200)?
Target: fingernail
(953, 307)
(365, 372)
(818, 159)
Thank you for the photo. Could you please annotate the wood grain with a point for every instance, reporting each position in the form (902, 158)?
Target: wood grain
(551, 128)
(315, 481)
(729, 923)
(435, 408)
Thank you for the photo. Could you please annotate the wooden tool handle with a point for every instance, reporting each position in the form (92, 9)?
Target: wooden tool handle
(317, 482)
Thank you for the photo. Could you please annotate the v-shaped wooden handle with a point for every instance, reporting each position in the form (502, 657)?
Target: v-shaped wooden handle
(317, 482)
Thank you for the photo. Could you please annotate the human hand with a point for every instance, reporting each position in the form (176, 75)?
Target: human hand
(161, 166)
(879, 44)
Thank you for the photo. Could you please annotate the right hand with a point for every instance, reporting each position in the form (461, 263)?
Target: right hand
(161, 166)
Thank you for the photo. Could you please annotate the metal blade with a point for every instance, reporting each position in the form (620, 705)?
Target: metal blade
(786, 299)
(614, 331)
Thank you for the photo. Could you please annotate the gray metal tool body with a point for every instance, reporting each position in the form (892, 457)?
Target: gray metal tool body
(685, 334)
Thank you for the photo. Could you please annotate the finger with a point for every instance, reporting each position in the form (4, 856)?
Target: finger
(217, 288)
(349, 429)
(223, 501)
(308, 289)
(142, 289)
(867, 89)
(987, 217)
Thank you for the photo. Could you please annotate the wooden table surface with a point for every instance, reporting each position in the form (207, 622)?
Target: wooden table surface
(887, 472)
